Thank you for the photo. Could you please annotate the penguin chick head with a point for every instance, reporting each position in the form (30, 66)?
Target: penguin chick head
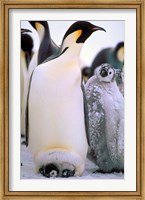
(79, 32)
(105, 73)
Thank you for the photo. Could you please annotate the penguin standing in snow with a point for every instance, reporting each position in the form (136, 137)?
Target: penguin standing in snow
(56, 132)
(26, 55)
(106, 120)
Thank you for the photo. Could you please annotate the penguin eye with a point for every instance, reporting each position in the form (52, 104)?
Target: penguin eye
(110, 72)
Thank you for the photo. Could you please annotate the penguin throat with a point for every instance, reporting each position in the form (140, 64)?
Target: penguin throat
(70, 42)
(74, 49)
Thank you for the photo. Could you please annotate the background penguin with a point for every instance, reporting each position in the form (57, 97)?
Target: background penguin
(106, 120)
(47, 45)
(113, 56)
(47, 48)
(56, 122)
(120, 80)
(26, 55)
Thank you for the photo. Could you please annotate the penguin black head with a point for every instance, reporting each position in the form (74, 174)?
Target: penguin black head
(119, 51)
(105, 72)
(37, 24)
(82, 30)
(26, 43)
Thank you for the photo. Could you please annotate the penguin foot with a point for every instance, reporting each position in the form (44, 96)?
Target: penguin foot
(68, 170)
(67, 173)
(49, 171)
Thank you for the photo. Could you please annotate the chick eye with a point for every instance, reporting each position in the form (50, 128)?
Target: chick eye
(110, 72)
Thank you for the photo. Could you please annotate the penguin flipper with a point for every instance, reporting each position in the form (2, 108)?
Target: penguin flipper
(85, 113)
(27, 111)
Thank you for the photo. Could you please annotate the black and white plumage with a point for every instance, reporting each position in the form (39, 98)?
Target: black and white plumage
(56, 133)
(47, 46)
(26, 55)
(106, 120)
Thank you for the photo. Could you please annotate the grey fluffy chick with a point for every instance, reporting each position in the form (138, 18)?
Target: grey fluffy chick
(106, 120)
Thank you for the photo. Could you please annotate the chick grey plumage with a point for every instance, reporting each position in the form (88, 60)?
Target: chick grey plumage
(106, 120)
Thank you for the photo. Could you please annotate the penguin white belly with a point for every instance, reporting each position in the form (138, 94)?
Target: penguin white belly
(56, 117)
(24, 89)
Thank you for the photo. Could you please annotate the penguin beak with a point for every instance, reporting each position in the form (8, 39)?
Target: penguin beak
(25, 30)
(97, 28)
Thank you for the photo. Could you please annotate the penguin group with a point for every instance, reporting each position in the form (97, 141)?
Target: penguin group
(68, 119)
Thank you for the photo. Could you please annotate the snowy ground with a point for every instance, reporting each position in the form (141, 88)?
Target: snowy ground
(28, 169)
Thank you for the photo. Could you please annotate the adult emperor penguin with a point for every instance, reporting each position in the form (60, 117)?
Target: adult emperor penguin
(47, 46)
(112, 55)
(106, 120)
(26, 55)
(56, 124)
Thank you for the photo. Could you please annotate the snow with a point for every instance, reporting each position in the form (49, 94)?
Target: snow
(28, 169)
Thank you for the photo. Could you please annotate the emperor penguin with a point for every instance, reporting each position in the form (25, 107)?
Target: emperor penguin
(47, 45)
(56, 132)
(106, 120)
(112, 55)
(26, 55)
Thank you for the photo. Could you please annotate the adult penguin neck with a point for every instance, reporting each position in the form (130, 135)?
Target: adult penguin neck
(72, 46)
(74, 49)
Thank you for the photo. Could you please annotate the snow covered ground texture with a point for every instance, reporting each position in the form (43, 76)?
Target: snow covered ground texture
(28, 169)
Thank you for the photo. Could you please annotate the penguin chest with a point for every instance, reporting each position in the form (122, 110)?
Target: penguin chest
(56, 108)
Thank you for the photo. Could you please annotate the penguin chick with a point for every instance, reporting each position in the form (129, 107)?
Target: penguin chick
(56, 132)
(113, 56)
(120, 80)
(119, 77)
(106, 120)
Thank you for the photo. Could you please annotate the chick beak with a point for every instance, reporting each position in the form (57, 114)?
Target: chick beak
(97, 28)
(25, 30)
